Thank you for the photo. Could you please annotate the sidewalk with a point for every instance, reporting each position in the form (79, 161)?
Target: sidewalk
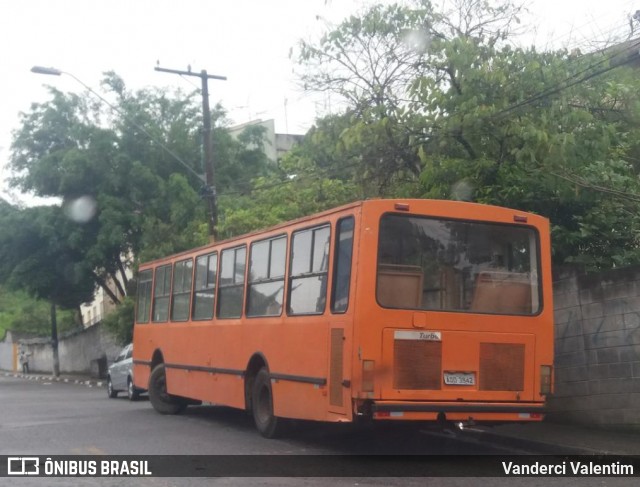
(67, 378)
(547, 437)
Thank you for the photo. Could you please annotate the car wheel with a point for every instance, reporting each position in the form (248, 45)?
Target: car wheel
(112, 393)
(162, 401)
(132, 392)
(267, 424)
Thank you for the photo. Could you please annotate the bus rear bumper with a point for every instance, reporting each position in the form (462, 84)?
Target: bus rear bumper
(454, 411)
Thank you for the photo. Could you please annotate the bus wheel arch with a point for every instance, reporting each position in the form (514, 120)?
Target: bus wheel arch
(156, 359)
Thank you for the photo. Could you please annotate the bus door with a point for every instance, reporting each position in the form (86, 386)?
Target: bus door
(340, 327)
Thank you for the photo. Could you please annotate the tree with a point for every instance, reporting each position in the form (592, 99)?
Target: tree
(41, 252)
(128, 172)
(440, 104)
(20, 312)
(120, 321)
(559, 142)
(136, 166)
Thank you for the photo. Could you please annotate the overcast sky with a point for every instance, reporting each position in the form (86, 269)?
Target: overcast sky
(246, 40)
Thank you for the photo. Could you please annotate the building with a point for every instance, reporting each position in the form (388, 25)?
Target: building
(275, 145)
(102, 304)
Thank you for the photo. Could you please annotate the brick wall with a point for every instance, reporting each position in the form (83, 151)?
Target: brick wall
(597, 340)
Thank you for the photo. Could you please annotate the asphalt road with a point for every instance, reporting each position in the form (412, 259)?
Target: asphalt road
(41, 418)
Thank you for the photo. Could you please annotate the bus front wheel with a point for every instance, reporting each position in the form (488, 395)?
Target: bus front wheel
(267, 424)
(160, 399)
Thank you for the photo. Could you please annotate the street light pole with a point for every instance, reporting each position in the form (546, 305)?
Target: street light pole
(207, 152)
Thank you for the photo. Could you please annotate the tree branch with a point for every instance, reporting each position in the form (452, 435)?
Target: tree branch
(103, 284)
(123, 274)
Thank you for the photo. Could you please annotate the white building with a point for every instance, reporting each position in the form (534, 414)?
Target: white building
(275, 145)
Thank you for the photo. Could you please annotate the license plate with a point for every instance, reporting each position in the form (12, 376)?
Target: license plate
(460, 378)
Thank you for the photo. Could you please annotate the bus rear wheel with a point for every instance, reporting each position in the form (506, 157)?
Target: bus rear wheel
(160, 399)
(267, 424)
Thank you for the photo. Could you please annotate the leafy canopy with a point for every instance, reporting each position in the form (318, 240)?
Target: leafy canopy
(438, 102)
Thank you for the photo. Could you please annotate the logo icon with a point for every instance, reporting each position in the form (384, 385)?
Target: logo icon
(23, 466)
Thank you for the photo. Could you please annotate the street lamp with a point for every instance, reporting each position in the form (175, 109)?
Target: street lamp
(43, 70)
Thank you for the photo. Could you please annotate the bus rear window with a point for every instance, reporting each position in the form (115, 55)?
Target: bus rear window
(452, 265)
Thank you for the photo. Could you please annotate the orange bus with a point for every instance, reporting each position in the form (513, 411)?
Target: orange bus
(381, 309)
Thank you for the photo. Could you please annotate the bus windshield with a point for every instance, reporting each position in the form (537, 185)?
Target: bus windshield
(452, 265)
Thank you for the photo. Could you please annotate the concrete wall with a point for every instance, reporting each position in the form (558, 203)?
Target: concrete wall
(87, 351)
(275, 145)
(7, 356)
(597, 365)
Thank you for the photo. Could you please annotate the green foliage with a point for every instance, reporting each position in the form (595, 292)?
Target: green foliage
(439, 104)
(120, 321)
(19, 312)
(273, 201)
(69, 148)
(41, 253)
(137, 163)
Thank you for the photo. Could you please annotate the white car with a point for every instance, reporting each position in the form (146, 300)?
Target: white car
(120, 375)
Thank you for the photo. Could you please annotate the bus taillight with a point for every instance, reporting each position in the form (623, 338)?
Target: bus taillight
(368, 367)
(546, 372)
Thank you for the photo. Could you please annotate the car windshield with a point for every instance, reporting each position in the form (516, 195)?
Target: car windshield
(452, 265)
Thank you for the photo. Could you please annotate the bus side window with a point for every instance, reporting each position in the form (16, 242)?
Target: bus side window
(309, 269)
(266, 277)
(231, 288)
(161, 293)
(145, 280)
(204, 289)
(342, 270)
(181, 293)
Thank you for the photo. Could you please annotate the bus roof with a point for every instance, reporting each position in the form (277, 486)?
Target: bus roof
(331, 211)
(243, 236)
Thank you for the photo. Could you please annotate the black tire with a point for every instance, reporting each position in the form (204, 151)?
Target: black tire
(161, 401)
(132, 391)
(266, 423)
(111, 392)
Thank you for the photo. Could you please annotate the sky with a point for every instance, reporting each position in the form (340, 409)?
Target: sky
(248, 41)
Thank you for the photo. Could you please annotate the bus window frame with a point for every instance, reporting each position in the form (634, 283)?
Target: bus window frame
(138, 295)
(220, 286)
(168, 296)
(208, 256)
(538, 254)
(291, 277)
(284, 278)
(336, 260)
(174, 294)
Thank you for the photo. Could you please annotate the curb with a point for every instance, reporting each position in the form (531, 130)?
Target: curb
(48, 378)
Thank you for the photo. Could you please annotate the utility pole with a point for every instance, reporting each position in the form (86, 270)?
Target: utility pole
(207, 152)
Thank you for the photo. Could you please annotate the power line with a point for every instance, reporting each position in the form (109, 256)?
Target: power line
(561, 86)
